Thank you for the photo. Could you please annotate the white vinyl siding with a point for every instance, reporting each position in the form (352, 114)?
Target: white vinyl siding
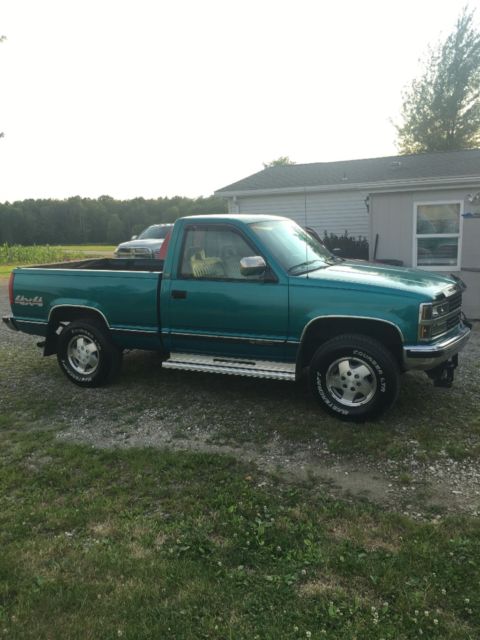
(331, 212)
(338, 212)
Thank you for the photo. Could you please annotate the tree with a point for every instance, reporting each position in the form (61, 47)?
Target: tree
(279, 162)
(115, 229)
(441, 109)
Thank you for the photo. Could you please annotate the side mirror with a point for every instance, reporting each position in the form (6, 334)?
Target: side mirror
(133, 237)
(252, 266)
(337, 252)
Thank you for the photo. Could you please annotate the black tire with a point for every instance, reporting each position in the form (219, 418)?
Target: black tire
(354, 377)
(86, 354)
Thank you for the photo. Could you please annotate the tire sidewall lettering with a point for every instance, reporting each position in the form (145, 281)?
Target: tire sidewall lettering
(327, 398)
(73, 374)
(381, 379)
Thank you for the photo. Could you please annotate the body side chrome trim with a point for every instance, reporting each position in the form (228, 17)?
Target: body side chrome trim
(117, 329)
(105, 271)
(210, 336)
(77, 306)
(373, 319)
(143, 331)
(31, 321)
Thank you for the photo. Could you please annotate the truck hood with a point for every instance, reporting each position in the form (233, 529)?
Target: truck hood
(356, 274)
(149, 243)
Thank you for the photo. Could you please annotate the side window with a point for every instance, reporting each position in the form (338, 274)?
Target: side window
(214, 253)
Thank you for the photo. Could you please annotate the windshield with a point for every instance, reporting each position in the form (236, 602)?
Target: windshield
(156, 232)
(295, 249)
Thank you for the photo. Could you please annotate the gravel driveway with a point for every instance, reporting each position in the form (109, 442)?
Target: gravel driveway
(276, 425)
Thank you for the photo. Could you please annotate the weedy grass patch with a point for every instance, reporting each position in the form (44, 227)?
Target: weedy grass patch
(154, 544)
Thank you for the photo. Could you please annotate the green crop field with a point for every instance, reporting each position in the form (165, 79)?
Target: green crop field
(18, 255)
(101, 248)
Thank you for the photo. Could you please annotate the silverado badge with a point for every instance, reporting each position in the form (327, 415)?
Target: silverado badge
(37, 301)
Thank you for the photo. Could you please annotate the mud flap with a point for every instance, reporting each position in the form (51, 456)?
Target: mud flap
(443, 375)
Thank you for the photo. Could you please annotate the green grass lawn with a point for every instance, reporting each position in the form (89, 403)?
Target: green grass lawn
(151, 544)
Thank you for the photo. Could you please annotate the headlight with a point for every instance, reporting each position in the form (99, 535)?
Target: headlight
(426, 311)
(435, 318)
(440, 309)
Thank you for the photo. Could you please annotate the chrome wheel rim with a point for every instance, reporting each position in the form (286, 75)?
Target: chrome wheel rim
(83, 355)
(351, 381)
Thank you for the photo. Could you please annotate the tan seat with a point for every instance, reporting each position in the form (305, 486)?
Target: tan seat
(203, 267)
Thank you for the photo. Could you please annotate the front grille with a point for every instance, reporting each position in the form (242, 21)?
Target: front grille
(453, 321)
(442, 326)
(135, 252)
(455, 302)
(454, 308)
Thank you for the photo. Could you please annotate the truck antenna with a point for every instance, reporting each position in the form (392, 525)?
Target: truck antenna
(306, 222)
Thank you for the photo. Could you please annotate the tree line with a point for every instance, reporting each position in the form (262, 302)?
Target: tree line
(91, 221)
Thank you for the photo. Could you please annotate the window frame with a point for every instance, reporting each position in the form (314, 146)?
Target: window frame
(416, 236)
(225, 227)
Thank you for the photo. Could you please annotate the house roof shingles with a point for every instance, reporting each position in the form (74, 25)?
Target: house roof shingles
(426, 166)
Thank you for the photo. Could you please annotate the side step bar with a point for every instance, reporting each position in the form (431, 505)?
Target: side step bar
(231, 366)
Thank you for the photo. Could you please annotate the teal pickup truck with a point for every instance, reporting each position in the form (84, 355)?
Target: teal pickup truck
(254, 296)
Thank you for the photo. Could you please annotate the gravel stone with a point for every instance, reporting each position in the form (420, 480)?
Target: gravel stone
(117, 417)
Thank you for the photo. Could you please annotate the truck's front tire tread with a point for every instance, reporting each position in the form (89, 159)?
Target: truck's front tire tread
(374, 362)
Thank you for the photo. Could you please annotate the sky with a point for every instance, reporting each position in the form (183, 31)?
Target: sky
(151, 98)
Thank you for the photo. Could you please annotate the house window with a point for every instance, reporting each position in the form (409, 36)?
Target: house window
(437, 237)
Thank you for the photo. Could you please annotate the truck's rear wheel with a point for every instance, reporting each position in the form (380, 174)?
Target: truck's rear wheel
(86, 354)
(354, 377)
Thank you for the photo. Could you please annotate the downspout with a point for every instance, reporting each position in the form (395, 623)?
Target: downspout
(369, 206)
(233, 206)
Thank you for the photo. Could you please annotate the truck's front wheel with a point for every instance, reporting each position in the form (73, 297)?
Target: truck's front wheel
(86, 355)
(354, 377)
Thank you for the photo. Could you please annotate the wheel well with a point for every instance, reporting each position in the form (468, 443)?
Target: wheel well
(68, 314)
(324, 329)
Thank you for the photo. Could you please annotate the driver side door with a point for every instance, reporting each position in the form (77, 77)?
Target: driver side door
(214, 309)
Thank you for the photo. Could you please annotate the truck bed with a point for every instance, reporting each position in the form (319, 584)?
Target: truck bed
(106, 264)
(122, 292)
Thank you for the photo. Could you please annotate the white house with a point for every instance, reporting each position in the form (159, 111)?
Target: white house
(421, 209)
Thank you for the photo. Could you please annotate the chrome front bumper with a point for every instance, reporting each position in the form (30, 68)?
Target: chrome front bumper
(427, 356)
(10, 322)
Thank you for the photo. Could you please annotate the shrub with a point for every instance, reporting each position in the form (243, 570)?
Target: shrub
(350, 246)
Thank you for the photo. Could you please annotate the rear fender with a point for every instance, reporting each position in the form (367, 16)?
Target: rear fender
(66, 313)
